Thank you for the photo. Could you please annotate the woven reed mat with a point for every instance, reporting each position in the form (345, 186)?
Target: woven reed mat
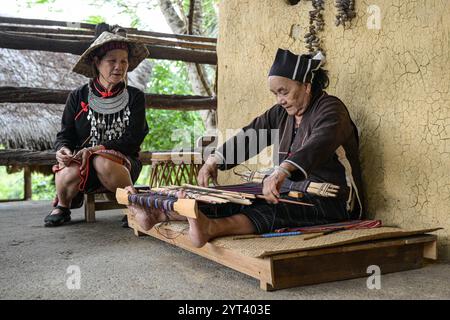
(263, 247)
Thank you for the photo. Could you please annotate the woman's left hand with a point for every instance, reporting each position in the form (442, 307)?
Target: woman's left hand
(83, 155)
(272, 185)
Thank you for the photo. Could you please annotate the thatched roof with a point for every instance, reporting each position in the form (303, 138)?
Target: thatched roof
(25, 126)
(34, 126)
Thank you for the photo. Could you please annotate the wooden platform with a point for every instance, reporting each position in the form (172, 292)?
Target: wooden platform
(286, 270)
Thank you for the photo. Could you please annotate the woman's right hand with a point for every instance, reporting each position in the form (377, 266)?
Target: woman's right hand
(208, 171)
(63, 156)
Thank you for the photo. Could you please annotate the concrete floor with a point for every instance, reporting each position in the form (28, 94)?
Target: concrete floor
(114, 264)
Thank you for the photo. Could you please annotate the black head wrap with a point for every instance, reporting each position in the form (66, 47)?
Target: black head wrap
(296, 67)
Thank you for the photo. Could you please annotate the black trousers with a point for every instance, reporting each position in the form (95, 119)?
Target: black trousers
(269, 217)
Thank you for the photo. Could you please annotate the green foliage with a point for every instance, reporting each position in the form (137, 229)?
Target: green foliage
(34, 2)
(128, 8)
(169, 130)
(210, 24)
(43, 187)
(95, 19)
(169, 77)
(209, 16)
(12, 185)
(172, 129)
(47, 3)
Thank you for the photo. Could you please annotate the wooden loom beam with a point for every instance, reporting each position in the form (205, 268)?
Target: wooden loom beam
(184, 207)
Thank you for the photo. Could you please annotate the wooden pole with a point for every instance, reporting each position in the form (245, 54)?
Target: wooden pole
(27, 183)
(153, 101)
(33, 95)
(39, 22)
(61, 34)
(23, 42)
(34, 29)
(177, 102)
(91, 27)
(22, 157)
(232, 193)
(172, 43)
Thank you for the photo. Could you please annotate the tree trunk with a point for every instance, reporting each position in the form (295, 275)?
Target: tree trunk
(173, 20)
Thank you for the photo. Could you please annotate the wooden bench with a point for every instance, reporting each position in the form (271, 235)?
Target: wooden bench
(393, 253)
(91, 204)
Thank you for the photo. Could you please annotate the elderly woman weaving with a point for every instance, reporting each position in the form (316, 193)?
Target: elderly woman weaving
(317, 145)
(102, 126)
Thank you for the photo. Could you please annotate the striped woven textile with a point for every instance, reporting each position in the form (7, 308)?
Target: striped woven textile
(352, 224)
(252, 188)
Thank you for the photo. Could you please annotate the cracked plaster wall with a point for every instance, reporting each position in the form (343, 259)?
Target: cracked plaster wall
(395, 82)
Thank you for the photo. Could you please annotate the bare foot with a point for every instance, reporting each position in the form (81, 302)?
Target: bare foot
(146, 218)
(200, 230)
(131, 209)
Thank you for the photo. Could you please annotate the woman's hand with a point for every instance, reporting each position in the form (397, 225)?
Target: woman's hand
(63, 156)
(208, 171)
(83, 156)
(272, 185)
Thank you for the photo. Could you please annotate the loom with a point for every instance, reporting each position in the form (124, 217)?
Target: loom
(159, 200)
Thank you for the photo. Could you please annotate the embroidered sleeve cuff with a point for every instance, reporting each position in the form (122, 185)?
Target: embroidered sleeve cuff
(220, 160)
(298, 167)
(285, 171)
(220, 157)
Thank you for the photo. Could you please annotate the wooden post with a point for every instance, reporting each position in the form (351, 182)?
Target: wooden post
(27, 184)
(89, 207)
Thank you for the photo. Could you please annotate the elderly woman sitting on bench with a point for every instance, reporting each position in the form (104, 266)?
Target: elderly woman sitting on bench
(103, 125)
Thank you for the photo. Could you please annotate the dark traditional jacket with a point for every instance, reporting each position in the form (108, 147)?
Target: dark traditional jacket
(76, 127)
(324, 148)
